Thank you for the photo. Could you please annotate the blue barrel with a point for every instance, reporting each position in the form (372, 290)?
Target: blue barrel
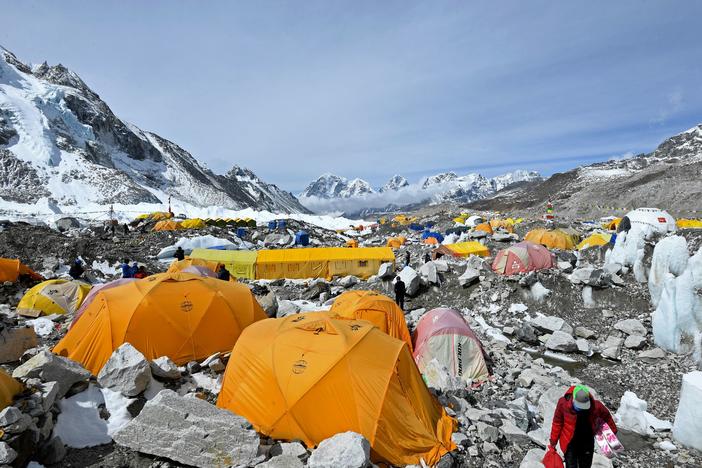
(271, 225)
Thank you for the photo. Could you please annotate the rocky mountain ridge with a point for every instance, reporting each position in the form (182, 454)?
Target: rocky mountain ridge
(60, 142)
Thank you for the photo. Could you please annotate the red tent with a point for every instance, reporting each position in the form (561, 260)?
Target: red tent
(521, 258)
(444, 335)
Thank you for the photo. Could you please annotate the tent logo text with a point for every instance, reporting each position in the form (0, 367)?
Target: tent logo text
(186, 306)
(299, 366)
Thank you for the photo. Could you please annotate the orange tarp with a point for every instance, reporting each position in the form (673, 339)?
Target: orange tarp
(309, 377)
(183, 316)
(377, 309)
(11, 269)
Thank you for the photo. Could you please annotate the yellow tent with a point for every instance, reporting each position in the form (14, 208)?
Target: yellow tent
(506, 224)
(553, 239)
(309, 376)
(612, 225)
(167, 225)
(353, 243)
(594, 240)
(484, 227)
(689, 223)
(183, 316)
(11, 269)
(159, 215)
(377, 309)
(195, 223)
(180, 265)
(459, 220)
(240, 263)
(396, 242)
(9, 388)
(321, 262)
(55, 296)
(465, 249)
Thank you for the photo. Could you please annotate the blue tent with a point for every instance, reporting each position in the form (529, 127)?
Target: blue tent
(416, 227)
(282, 224)
(302, 238)
(430, 224)
(436, 235)
(271, 225)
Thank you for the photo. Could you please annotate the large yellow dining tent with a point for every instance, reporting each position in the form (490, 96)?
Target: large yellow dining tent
(183, 316)
(308, 377)
(239, 263)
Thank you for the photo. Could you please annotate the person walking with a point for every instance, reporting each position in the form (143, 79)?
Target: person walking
(179, 254)
(577, 418)
(76, 270)
(223, 273)
(407, 258)
(400, 292)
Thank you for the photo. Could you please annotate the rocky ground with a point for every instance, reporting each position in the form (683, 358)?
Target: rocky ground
(543, 332)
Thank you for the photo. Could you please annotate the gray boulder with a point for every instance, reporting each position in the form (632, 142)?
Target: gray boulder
(348, 281)
(269, 303)
(550, 324)
(635, 342)
(345, 450)
(469, 277)
(586, 333)
(7, 454)
(561, 341)
(13, 421)
(612, 348)
(286, 308)
(315, 289)
(15, 341)
(386, 271)
(282, 461)
(631, 327)
(190, 431)
(164, 368)
(52, 368)
(527, 334)
(411, 279)
(127, 371)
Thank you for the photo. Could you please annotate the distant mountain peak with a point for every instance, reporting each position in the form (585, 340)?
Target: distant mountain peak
(395, 183)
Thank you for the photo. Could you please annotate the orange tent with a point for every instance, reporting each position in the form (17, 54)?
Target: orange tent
(183, 316)
(309, 376)
(353, 243)
(377, 309)
(11, 269)
(9, 387)
(503, 224)
(484, 227)
(180, 265)
(431, 241)
(552, 238)
(167, 225)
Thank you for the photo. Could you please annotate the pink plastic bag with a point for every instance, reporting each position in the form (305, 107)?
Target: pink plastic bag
(607, 441)
(552, 459)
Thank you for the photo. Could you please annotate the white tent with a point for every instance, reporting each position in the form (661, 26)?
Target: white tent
(652, 219)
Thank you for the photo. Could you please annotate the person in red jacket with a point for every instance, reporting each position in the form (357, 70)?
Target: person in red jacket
(576, 420)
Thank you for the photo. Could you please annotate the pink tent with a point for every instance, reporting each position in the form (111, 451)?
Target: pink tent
(93, 291)
(444, 335)
(521, 258)
(200, 271)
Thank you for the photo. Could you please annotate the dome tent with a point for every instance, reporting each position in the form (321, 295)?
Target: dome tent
(595, 239)
(12, 269)
(375, 308)
(185, 317)
(93, 292)
(181, 265)
(463, 249)
(309, 377)
(55, 296)
(553, 238)
(444, 335)
(522, 258)
(652, 219)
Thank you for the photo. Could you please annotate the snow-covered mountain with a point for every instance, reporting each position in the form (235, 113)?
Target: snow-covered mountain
(333, 193)
(668, 177)
(395, 183)
(332, 186)
(60, 143)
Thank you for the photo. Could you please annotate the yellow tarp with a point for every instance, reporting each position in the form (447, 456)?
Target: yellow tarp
(240, 263)
(553, 239)
(459, 220)
(195, 223)
(594, 240)
(9, 388)
(375, 308)
(464, 249)
(309, 377)
(689, 223)
(11, 269)
(321, 262)
(183, 316)
(53, 297)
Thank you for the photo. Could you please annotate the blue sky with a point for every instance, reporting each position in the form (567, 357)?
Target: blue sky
(370, 89)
